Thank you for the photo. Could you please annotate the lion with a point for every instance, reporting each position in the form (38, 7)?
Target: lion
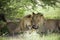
(45, 25)
(26, 23)
(38, 22)
(58, 25)
(51, 25)
(13, 28)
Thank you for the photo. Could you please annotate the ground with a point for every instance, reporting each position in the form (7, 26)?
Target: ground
(33, 36)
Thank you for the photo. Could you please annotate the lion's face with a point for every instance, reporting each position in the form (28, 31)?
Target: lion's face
(26, 23)
(37, 20)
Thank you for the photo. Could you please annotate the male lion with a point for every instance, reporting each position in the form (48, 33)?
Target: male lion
(26, 23)
(51, 25)
(13, 28)
(38, 22)
(58, 25)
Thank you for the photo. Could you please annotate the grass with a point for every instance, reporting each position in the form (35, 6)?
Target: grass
(3, 38)
(33, 36)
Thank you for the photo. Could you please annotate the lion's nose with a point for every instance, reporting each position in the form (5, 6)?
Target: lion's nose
(35, 27)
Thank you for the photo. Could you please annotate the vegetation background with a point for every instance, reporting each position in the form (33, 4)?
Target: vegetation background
(18, 8)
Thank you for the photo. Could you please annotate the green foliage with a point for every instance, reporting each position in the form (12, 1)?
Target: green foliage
(50, 2)
(2, 24)
(52, 14)
(16, 8)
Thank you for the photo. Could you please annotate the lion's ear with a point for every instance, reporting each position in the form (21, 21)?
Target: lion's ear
(33, 13)
(40, 14)
(29, 16)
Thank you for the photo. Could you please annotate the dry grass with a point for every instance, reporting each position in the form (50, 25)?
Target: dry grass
(33, 36)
